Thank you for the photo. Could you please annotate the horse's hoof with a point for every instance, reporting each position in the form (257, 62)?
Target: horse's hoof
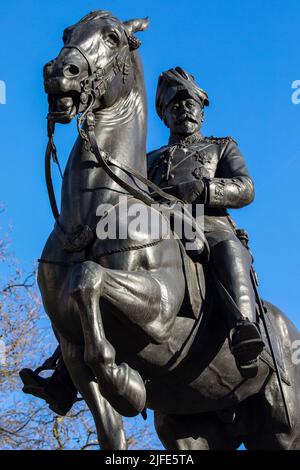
(56, 393)
(33, 384)
(129, 395)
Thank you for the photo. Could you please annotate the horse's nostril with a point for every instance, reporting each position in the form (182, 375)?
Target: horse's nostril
(71, 70)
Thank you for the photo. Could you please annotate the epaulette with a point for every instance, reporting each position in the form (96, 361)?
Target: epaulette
(220, 140)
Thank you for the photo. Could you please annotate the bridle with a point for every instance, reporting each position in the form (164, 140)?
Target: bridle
(91, 88)
(100, 77)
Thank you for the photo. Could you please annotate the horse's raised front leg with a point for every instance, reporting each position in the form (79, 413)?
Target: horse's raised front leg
(149, 299)
(110, 431)
(122, 386)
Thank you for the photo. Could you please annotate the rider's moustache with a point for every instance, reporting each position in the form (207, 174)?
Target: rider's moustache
(186, 117)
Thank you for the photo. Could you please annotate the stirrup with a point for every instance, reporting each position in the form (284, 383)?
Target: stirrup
(246, 346)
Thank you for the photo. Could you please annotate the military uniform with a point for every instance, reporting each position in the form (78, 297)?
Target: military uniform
(220, 164)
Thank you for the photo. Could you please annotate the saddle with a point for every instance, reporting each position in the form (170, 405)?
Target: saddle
(195, 285)
(197, 279)
(266, 355)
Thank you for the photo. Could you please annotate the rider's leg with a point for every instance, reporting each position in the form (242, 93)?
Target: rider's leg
(231, 264)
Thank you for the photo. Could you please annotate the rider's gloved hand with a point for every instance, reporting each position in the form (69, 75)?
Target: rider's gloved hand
(190, 191)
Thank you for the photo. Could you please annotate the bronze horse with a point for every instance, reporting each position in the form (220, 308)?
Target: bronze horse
(118, 307)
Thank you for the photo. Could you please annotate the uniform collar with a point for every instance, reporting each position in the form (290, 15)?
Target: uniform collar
(186, 141)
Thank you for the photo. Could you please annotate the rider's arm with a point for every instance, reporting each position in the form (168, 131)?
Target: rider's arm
(232, 187)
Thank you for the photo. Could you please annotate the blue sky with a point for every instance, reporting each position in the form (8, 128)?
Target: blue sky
(245, 54)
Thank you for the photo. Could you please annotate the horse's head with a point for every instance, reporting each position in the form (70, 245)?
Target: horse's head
(94, 67)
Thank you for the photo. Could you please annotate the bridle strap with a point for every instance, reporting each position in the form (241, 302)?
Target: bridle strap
(103, 161)
(51, 153)
(100, 77)
(102, 157)
(83, 53)
(132, 172)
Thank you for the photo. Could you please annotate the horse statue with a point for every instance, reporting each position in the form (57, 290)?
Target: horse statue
(122, 309)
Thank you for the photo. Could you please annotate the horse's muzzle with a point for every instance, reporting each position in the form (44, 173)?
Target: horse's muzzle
(60, 85)
(63, 108)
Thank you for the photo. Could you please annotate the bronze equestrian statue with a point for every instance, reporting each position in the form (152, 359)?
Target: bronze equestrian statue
(143, 324)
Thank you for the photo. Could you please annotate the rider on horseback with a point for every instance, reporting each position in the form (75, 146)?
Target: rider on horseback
(197, 170)
(210, 171)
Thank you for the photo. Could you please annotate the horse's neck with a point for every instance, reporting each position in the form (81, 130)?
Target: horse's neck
(121, 128)
(121, 132)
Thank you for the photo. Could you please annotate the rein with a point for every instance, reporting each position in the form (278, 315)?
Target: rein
(93, 87)
(50, 154)
(96, 85)
(106, 161)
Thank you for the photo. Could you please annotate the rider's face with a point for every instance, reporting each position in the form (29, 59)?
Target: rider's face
(183, 116)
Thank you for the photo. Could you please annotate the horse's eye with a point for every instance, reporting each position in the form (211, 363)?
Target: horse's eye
(113, 39)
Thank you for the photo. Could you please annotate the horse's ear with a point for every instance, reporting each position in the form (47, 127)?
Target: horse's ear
(133, 26)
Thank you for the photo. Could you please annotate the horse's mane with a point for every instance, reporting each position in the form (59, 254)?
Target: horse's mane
(93, 15)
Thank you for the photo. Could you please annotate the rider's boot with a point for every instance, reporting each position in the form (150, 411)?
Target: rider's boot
(231, 264)
(58, 390)
(246, 345)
